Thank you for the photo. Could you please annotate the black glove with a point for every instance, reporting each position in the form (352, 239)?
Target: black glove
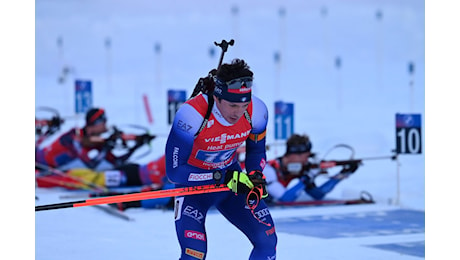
(109, 144)
(111, 141)
(350, 167)
(117, 134)
(144, 139)
(258, 179)
(55, 122)
(308, 182)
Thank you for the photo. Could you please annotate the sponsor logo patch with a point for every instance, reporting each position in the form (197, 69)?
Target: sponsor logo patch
(270, 231)
(195, 235)
(176, 157)
(194, 253)
(223, 138)
(200, 176)
(183, 126)
(263, 163)
(193, 213)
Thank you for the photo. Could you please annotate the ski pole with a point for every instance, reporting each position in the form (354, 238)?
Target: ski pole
(365, 198)
(137, 196)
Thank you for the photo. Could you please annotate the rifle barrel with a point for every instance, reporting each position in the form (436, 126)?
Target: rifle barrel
(332, 163)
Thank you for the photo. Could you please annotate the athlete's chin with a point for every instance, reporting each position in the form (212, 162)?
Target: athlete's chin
(232, 120)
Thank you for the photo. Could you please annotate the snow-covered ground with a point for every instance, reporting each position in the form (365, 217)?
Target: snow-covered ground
(328, 232)
(354, 104)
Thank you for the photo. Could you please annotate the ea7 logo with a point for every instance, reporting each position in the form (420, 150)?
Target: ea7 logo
(193, 213)
(183, 126)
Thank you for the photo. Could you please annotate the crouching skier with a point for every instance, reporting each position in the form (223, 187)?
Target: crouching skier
(197, 155)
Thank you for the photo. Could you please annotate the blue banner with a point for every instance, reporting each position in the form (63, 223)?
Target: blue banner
(175, 99)
(284, 120)
(83, 96)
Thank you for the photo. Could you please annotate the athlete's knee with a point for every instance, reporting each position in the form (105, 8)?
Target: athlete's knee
(265, 245)
(269, 242)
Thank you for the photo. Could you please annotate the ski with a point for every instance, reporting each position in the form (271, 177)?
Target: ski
(59, 181)
(323, 202)
(111, 192)
(114, 212)
(63, 178)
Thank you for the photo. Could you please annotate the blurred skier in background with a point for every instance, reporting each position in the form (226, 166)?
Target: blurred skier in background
(138, 177)
(292, 175)
(77, 143)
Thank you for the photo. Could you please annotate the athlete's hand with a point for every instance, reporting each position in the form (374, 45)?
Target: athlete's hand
(55, 123)
(111, 141)
(241, 182)
(258, 179)
(109, 144)
(350, 168)
(144, 138)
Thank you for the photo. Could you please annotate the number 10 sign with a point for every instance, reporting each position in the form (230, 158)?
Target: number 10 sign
(408, 133)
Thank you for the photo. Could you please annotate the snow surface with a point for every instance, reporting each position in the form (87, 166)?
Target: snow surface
(354, 104)
(88, 233)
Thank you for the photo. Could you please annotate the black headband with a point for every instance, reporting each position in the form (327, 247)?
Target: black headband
(298, 148)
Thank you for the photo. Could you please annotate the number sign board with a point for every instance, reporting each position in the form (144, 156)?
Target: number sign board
(408, 133)
(175, 99)
(284, 120)
(83, 96)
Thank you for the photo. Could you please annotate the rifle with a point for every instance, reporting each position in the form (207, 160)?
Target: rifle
(122, 141)
(206, 84)
(44, 128)
(323, 165)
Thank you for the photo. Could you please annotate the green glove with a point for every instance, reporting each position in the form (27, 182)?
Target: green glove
(241, 182)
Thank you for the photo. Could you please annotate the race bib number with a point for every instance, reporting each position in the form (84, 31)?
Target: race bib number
(112, 178)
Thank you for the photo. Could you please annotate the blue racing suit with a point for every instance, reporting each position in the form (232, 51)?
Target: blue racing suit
(191, 161)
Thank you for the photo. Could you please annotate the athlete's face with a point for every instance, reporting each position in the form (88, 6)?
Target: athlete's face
(97, 129)
(231, 111)
(295, 161)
